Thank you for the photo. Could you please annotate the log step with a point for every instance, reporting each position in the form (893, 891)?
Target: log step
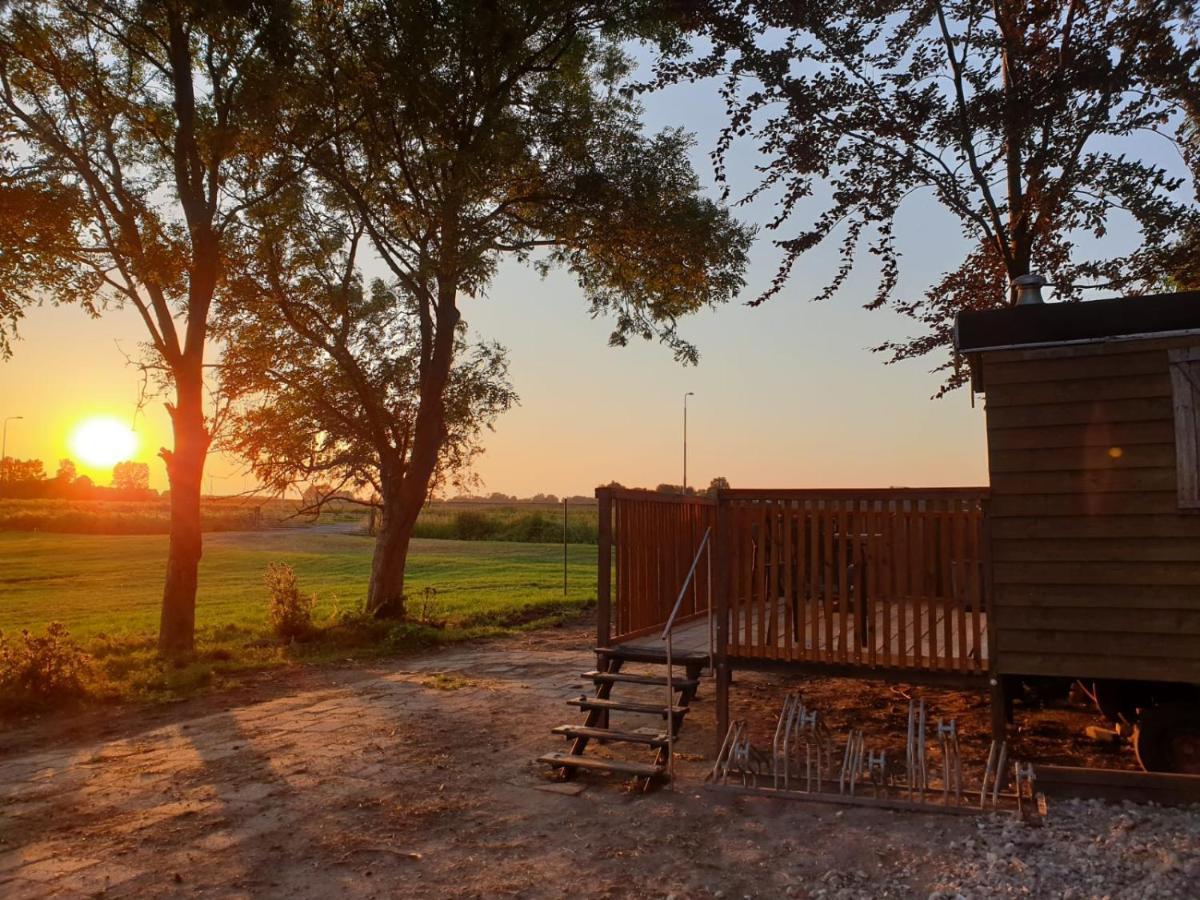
(659, 680)
(621, 766)
(654, 655)
(605, 735)
(593, 703)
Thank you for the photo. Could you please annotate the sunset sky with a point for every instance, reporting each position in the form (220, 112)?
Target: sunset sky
(786, 395)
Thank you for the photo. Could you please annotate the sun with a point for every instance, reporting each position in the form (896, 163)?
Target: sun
(103, 442)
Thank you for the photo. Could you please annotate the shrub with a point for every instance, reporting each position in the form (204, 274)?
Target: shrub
(470, 525)
(289, 612)
(38, 671)
(533, 528)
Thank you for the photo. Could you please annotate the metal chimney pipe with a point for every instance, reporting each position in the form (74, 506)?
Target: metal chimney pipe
(1029, 289)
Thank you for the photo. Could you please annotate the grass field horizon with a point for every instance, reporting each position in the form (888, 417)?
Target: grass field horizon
(84, 581)
(524, 521)
(106, 589)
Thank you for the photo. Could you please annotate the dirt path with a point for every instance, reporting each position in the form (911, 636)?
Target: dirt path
(416, 779)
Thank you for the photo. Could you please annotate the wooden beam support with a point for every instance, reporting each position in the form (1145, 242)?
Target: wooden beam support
(604, 573)
(721, 642)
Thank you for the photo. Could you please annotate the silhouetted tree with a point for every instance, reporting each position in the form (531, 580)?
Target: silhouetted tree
(21, 471)
(720, 483)
(325, 376)
(66, 473)
(141, 119)
(460, 133)
(1013, 115)
(131, 477)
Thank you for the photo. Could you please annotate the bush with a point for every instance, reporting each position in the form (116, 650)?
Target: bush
(37, 671)
(470, 525)
(289, 612)
(533, 528)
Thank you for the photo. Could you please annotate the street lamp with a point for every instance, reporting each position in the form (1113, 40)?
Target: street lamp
(4, 442)
(685, 396)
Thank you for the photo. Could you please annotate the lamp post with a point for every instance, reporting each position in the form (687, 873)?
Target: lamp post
(4, 442)
(685, 396)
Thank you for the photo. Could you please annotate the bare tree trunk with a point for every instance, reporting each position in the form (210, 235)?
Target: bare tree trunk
(403, 496)
(185, 471)
(385, 595)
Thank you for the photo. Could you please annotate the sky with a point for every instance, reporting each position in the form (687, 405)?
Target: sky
(787, 394)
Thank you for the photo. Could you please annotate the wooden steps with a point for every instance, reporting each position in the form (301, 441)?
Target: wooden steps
(623, 678)
(618, 706)
(646, 699)
(682, 658)
(620, 766)
(608, 735)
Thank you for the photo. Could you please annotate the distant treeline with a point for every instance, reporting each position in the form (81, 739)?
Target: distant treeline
(509, 523)
(107, 516)
(26, 479)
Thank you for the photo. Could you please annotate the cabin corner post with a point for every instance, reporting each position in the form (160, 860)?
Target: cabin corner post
(604, 497)
(999, 702)
(720, 651)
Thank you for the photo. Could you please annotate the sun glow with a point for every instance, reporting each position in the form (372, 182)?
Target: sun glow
(103, 442)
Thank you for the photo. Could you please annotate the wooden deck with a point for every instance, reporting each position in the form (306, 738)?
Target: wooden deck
(906, 635)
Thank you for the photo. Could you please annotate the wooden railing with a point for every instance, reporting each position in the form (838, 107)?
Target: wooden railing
(887, 579)
(654, 538)
(874, 578)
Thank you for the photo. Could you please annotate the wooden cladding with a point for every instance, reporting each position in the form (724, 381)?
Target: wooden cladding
(1185, 391)
(1095, 483)
(872, 578)
(655, 537)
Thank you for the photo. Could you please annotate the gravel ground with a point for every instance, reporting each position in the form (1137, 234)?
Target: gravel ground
(1085, 849)
(416, 778)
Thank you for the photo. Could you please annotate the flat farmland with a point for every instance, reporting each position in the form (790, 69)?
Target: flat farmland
(111, 584)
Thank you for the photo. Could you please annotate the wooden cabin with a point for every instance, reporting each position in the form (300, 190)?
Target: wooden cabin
(1081, 561)
(1093, 426)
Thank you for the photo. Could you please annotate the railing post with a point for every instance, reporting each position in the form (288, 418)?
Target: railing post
(999, 702)
(721, 662)
(604, 498)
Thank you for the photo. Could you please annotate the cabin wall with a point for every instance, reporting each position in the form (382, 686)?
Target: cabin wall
(1095, 569)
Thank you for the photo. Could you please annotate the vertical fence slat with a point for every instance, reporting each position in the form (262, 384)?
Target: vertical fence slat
(789, 596)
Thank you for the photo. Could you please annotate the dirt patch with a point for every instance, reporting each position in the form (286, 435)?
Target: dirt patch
(1053, 733)
(416, 778)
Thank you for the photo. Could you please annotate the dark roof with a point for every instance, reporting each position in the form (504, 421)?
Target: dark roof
(1063, 323)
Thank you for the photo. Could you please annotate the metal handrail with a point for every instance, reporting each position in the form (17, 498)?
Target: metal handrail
(668, 634)
(688, 580)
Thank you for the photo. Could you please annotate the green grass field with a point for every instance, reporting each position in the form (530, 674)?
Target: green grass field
(106, 590)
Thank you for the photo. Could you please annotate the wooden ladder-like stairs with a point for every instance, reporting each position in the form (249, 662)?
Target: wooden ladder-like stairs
(595, 727)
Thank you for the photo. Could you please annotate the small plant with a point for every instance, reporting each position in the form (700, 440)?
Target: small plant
(38, 671)
(428, 606)
(289, 612)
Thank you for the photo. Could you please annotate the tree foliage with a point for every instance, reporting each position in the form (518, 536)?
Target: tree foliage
(131, 477)
(323, 370)
(1014, 115)
(449, 136)
(131, 131)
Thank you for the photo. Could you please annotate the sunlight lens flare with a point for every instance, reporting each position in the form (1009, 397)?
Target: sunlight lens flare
(103, 442)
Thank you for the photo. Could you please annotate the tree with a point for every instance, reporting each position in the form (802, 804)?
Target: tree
(15, 472)
(720, 483)
(324, 372)
(146, 117)
(66, 472)
(1013, 115)
(460, 133)
(131, 477)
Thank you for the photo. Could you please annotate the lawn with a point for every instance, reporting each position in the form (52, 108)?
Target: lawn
(106, 590)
